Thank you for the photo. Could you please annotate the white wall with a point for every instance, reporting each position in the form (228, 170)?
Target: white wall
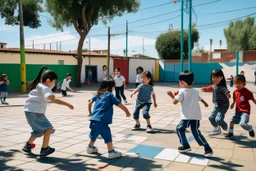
(146, 64)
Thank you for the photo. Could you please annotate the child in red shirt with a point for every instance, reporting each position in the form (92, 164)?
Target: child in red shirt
(241, 97)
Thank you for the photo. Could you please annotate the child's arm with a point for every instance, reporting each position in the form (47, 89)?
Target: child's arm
(61, 102)
(7, 82)
(234, 101)
(254, 101)
(204, 102)
(90, 107)
(154, 100)
(134, 92)
(228, 95)
(175, 101)
(2, 82)
(207, 89)
(125, 84)
(170, 94)
(121, 106)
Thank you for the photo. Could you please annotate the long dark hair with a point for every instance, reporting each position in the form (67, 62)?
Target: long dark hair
(48, 74)
(106, 86)
(149, 76)
(219, 73)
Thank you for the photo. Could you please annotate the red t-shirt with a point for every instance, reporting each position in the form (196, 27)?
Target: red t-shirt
(242, 100)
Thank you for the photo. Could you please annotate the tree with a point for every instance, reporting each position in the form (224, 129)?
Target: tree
(241, 35)
(84, 50)
(198, 49)
(83, 14)
(31, 9)
(168, 44)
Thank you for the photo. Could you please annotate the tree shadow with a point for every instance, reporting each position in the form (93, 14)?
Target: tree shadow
(240, 140)
(156, 131)
(5, 156)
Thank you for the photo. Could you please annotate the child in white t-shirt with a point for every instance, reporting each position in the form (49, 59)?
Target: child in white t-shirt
(139, 71)
(65, 85)
(190, 113)
(120, 85)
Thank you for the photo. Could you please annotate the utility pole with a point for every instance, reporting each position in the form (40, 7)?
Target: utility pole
(220, 43)
(181, 36)
(89, 53)
(190, 37)
(33, 44)
(109, 50)
(170, 28)
(50, 46)
(56, 45)
(60, 46)
(44, 46)
(126, 50)
(22, 51)
(210, 54)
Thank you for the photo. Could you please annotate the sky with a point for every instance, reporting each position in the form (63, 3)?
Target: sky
(143, 32)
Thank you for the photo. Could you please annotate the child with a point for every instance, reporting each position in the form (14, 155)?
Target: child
(35, 108)
(190, 113)
(139, 70)
(231, 80)
(89, 78)
(120, 85)
(220, 99)
(241, 97)
(65, 85)
(102, 116)
(3, 88)
(145, 90)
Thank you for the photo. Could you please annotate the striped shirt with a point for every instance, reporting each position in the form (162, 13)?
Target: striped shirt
(219, 97)
(145, 92)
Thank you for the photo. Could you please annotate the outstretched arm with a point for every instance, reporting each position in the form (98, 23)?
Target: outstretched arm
(121, 106)
(134, 92)
(207, 89)
(170, 94)
(233, 103)
(205, 103)
(90, 107)
(61, 102)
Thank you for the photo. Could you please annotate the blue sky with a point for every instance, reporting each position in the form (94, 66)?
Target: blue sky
(206, 14)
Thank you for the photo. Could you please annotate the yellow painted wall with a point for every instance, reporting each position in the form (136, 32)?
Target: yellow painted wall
(157, 70)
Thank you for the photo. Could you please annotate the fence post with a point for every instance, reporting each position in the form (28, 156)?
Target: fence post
(237, 62)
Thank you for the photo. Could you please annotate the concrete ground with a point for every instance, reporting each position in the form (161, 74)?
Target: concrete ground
(141, 151)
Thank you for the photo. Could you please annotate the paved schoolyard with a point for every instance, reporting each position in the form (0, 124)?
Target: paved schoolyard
(141, 151)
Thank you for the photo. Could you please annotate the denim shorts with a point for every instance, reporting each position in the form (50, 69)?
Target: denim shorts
(39, 123)
(102, 129)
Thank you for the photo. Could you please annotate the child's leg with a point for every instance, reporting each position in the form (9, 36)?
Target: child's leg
(117, 93)
(212, 117)
(180, 130)
(122, 92)
(145, 112)
(136, 112)
(194, 125)
(220, 119)
(46, 139)
(244, 124)
(31, 139)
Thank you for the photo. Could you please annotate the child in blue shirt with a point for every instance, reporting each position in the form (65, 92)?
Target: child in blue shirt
(3, 88)
(102, 116)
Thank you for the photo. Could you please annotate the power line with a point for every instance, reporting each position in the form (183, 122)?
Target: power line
(239, 9)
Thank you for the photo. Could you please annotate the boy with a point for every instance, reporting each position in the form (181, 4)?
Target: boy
(241, 97)
(3, 88)
(190, 113)
(65, 85)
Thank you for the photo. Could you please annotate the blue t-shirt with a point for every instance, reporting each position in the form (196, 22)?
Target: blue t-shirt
(103, 108)
(3, 88)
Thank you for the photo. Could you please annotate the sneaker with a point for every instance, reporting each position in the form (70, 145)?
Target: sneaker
(27, 147)
(252, 134)
(149, 129)
(4, 102)
(136, 127)
(114, 155)
(216, 131)
(46, 151)
(91, 150)
(125, 102)
(183, 149)
(208, 152)
(229, 135)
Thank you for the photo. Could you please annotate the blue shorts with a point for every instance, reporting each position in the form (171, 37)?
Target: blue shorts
(102, 129)
(39, 123)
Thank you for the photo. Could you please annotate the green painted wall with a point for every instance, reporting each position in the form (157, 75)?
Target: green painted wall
(13, 72)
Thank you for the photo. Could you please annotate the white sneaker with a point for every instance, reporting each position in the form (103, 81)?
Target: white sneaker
(125, 102)
(92, 150)
(216, 131)
(149, 129)
(114, 155)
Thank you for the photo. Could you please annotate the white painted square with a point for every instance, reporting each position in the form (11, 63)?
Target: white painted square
(200, 161)
(168, 154)
(182, 158)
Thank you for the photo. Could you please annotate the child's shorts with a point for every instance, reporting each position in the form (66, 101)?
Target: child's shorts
(4, 94)
(240, 118)
(102, 129)
(39, 123)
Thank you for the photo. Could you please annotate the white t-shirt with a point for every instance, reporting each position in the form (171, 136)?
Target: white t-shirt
(119, 80)
(65, 84)
(37, 99)
(138, 78)
(190, 108)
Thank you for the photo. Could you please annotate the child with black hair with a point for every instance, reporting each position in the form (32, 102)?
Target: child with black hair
(4, 82)
(241, 97)
(35, 108)
(139, 71)
(65, 85)
(143, 101)
(102, 116)
(190, 113)
(220, 99)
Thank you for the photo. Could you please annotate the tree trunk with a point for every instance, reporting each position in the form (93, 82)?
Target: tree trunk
(79, 59)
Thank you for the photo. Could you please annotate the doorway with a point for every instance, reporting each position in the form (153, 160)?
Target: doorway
(93, 68)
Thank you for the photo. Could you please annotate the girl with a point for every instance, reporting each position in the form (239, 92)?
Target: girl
(102, 116)
(145, 90)
(3, 88)
(231, 80)
(35, 108)
(139, 70)
(120, 85)
(65, 85)
(220, 99)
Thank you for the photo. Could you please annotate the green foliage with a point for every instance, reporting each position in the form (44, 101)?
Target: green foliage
(31, 9)
(241, 35)
(85, 50)
(198, 49)
(168, 44)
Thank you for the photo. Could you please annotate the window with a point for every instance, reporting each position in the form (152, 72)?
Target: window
(2, 46)
(60, 62)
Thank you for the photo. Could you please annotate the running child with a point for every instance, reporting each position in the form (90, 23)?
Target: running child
(35, 108)
(241, 97)
(120, 85)
(139, 71)
(102, 116)
(190, 113)
(4, 82)
(65, 85)
(145, 91)
(220, 99)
